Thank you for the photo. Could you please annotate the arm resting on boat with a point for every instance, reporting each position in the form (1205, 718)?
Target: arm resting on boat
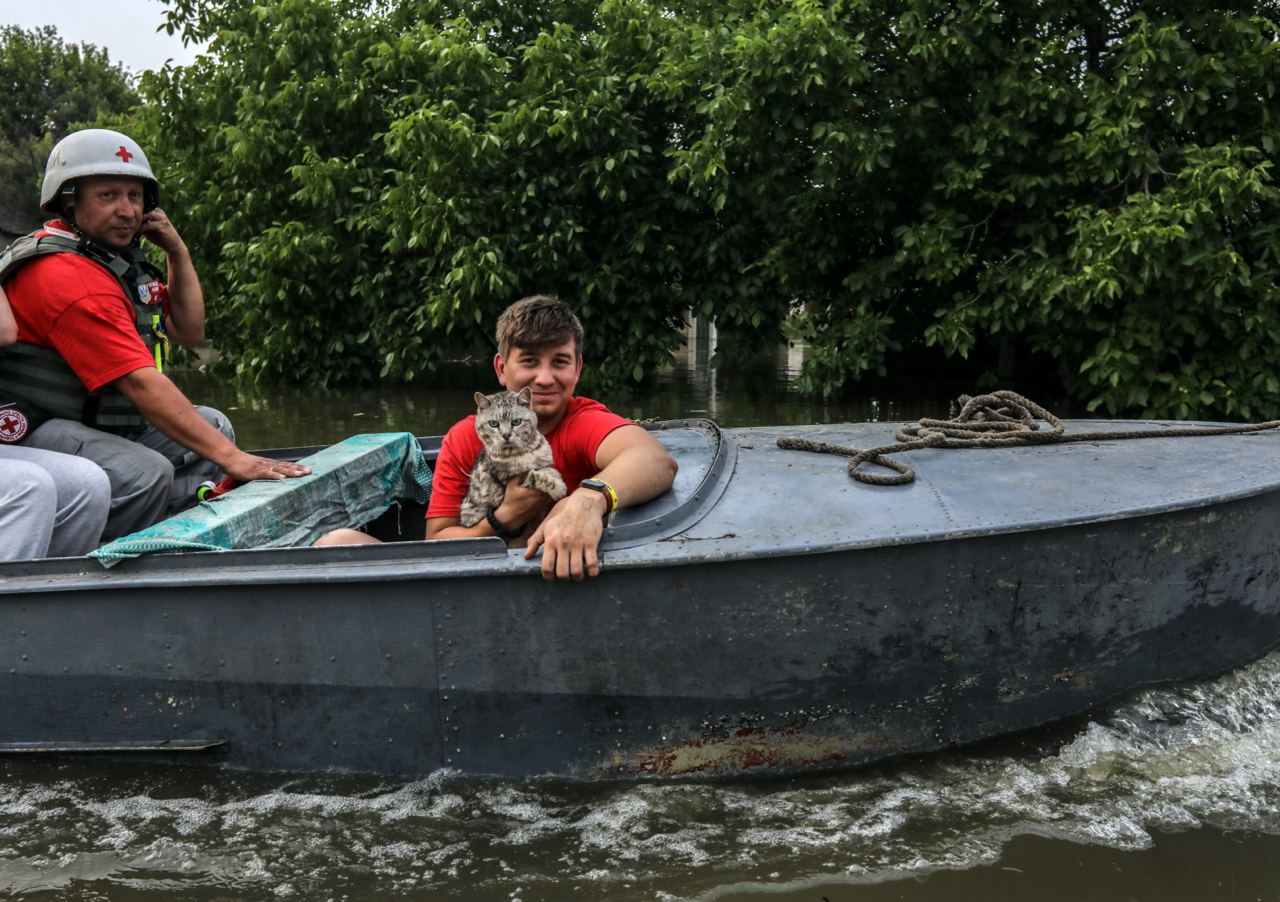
(168, 409)
(637, 467)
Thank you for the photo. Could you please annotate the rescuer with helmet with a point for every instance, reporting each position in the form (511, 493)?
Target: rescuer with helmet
(95, 319)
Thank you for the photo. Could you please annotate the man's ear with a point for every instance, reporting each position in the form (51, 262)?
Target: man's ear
(499, 369)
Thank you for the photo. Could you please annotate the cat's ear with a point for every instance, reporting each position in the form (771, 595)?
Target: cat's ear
(525, 396)
(482, 401)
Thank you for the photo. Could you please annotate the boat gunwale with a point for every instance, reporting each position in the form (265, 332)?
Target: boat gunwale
(411, 560)
(404, 567)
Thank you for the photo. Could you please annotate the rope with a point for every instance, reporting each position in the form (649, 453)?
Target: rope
(998, 420)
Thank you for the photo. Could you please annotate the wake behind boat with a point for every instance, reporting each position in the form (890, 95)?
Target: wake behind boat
(769, 615)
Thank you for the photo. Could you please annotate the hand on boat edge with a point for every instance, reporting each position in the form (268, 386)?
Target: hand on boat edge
(569, 537)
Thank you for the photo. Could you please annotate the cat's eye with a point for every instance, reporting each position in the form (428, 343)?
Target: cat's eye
(494, 424)
(516, 421)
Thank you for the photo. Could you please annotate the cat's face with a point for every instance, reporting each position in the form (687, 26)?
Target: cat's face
(550, 374)
(504, 420)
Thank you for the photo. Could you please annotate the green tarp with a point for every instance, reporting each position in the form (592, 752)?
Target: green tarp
(351, 483)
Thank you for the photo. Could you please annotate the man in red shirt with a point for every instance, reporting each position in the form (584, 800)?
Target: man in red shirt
(94, 320)
(606, 461)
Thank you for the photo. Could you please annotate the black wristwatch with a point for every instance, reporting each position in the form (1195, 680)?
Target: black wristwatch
(501, 531)
(611, 497)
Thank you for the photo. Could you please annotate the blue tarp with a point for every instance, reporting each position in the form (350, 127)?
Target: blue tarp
(351, 483)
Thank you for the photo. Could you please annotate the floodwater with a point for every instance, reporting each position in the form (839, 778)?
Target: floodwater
(1172, 794)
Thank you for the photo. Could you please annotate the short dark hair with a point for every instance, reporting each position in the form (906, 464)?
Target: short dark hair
(537, 322)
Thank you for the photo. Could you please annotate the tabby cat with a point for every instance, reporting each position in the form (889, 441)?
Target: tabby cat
(513, 446)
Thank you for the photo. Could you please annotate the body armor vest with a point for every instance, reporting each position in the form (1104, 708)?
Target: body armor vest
(38, 381)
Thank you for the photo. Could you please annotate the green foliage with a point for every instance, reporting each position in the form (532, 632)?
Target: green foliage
(367, 185)
(50, 88)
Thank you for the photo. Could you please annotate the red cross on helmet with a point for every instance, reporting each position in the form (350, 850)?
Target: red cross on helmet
(94, 151)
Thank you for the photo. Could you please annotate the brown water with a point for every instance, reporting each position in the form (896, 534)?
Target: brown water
(1172, 795)
(754, 394)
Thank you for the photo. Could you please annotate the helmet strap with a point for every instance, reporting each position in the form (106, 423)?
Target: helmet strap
(67, 203)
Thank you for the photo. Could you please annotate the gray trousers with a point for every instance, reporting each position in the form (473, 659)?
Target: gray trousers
(51, 504)
(151, 476)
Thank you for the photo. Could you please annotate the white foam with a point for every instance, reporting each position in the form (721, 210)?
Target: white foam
(1170, 759)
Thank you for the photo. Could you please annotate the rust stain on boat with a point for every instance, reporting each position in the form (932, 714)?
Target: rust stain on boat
(747, 749)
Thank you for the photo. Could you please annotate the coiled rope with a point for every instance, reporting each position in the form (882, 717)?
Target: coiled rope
(998, 420)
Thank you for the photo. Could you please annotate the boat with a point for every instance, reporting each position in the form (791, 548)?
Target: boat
(767, 616)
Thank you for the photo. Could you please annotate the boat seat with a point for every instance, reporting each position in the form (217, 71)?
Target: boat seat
(350, 483)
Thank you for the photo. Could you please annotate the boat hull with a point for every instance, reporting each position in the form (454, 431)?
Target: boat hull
(736, 666)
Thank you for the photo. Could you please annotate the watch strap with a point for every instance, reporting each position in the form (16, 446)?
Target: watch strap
(599, 485)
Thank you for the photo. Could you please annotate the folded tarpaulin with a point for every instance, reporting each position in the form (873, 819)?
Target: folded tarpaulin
(351, 483)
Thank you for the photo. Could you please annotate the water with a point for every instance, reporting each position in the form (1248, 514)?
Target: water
(1171, 795)
(1195, 769)
(756, 392)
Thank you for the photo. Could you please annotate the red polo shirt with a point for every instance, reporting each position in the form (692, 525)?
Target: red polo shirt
(75, 306)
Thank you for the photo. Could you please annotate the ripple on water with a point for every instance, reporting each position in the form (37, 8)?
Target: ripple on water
(1206, 754)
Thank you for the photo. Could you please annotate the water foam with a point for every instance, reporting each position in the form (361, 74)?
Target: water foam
(1207, 754)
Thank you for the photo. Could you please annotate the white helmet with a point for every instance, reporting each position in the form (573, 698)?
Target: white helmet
(94, 151)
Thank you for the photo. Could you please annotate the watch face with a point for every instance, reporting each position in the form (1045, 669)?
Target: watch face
(605, 489)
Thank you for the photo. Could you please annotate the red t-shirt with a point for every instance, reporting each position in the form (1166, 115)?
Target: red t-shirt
(573, 446)
(75, 306)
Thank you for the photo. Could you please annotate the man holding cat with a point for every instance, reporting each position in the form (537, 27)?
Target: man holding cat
(606, 460)
(540, 346)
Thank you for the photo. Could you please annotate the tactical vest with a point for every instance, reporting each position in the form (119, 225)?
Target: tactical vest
(38, 381)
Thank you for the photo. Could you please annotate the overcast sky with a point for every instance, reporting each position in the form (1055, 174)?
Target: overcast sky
(126, 28)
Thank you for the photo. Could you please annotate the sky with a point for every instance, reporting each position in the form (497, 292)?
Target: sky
(126, 28)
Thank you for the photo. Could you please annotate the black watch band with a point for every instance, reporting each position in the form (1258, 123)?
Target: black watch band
(501, 531)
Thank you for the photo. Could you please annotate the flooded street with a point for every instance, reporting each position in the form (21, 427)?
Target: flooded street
(1171, 794)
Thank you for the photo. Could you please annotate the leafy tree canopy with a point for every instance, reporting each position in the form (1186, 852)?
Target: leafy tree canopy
(1091, 186)
(50, 88)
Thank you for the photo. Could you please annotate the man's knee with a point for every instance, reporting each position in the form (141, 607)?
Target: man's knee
(141, 478)
(218, 420)
(28, 497)
(129, 466)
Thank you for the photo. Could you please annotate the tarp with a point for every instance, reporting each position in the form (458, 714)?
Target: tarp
(351, 483)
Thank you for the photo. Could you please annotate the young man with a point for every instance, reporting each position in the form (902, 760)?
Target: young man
(94, 320)
(607, 461)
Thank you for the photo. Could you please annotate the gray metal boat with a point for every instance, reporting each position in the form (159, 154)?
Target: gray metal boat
(767, 616)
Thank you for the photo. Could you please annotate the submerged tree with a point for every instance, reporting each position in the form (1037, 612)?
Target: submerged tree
(1091, 186)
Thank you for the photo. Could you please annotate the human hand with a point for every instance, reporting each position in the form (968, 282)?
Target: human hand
(157, 228)
(522, 504)
(569, 537)
(248, 467)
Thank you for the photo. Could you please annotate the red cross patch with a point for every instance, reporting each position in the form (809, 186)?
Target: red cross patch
(123, 153)
(13, 425)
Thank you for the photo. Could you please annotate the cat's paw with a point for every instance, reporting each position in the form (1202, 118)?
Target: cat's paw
(547, 480)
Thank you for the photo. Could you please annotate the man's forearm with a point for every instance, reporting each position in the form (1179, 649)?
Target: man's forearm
(169, 411)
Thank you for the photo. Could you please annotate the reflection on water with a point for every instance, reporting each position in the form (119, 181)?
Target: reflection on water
(754, 393)
(1204, 757)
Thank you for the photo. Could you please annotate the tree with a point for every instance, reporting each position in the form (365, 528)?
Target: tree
(1090, 185)
(51, 88)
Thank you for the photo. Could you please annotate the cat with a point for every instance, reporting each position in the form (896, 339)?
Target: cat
(513, 446)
